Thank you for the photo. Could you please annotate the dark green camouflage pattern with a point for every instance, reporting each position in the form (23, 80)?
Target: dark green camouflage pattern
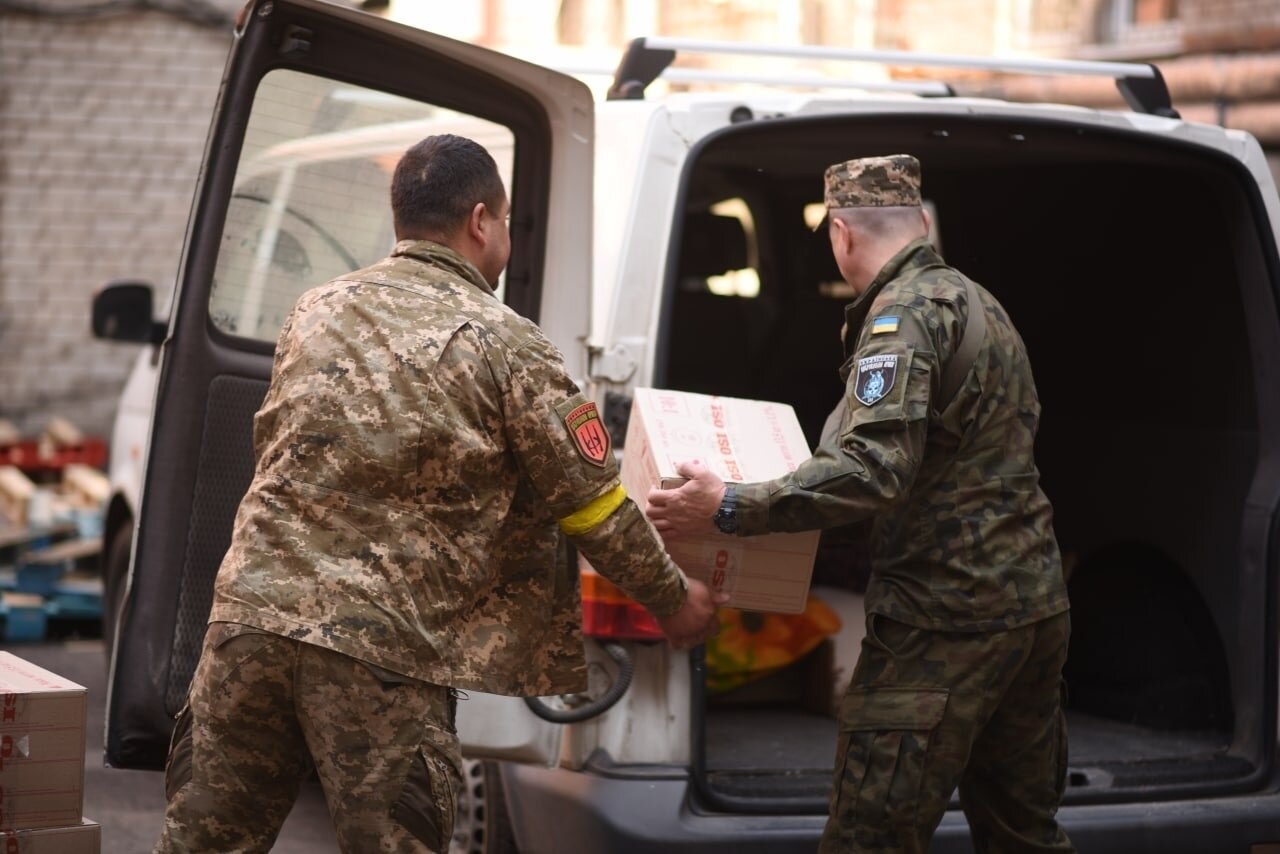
(261, 706)
(963, 537)
(892, 181)
(929, 711)
(412, 463)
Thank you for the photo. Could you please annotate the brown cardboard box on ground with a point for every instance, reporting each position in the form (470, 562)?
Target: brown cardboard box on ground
(742, 441)
(42, 720)
(82, 838)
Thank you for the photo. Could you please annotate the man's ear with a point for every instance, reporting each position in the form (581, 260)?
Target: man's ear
(842, 237)
(926, 219)
(478, 224)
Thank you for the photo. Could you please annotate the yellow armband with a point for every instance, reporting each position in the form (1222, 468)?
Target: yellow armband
(584, 519)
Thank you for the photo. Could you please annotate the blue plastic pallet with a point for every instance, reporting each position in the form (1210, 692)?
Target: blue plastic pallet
(29, 617)
(22, 622)
(44, 589)
(41, 571)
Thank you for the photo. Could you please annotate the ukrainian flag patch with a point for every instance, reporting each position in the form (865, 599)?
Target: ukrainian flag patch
(884, 324)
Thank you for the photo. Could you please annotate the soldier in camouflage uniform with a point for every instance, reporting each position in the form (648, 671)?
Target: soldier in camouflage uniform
(959, 680)
(420, 451)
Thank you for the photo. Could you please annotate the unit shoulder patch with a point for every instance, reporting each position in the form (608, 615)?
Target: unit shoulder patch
(589, 434)
(875, 378)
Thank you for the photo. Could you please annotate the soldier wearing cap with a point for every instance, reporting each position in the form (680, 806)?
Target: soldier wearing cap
(959, 679)
(420, 453)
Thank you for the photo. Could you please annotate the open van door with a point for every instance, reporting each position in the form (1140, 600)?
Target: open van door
(318, 102)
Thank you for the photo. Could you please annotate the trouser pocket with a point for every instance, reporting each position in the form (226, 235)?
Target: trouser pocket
(428, 802)
(890, 636)
(884, 738)
(177, 767)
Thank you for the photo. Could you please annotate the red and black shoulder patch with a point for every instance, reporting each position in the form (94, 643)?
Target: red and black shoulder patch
(589, 434)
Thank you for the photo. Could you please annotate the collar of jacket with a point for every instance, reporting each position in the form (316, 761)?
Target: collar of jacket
(439, 255)
(916, 255)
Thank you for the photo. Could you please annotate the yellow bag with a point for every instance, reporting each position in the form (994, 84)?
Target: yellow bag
(752, 644)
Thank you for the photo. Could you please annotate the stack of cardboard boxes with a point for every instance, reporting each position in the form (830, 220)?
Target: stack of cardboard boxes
(79, 499)
(42, 721)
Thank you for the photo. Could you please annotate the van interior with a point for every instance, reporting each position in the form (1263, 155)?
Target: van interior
(1137, 275)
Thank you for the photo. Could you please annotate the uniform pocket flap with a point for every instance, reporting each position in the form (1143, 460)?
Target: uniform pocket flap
(914, 709)
(444, 742)
(222, 633)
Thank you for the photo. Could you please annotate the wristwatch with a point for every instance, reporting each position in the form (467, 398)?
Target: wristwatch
(726, 517)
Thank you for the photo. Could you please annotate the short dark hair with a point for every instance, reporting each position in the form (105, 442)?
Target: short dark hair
(439, 181)
(882, 222)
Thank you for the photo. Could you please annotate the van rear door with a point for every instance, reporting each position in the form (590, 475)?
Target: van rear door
(317, 104)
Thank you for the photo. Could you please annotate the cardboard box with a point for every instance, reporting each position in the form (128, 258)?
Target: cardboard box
(742, 441)
(82, 838)
(16, 490)
(42, 720)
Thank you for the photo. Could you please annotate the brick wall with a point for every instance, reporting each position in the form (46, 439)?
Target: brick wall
(942, 26)
(102, 128)
(1230, 24)
(773, 21)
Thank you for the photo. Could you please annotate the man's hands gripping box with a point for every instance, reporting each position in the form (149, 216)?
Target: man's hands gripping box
(742, 441)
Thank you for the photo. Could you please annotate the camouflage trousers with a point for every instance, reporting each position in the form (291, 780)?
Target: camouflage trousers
(264, 710)
(927, 712)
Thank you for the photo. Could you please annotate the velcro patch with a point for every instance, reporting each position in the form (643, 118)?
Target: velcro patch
(589, 434)
(884, 324)
(875, 377)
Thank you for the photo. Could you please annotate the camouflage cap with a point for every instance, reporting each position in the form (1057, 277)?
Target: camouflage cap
(873, 182)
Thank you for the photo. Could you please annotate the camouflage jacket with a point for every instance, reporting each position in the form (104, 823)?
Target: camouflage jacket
(420, 448)
(963, 536)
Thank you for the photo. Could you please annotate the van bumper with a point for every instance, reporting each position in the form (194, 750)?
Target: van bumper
(553, 811)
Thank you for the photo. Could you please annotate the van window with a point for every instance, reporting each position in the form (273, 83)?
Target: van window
(311, 195)
(741, 277)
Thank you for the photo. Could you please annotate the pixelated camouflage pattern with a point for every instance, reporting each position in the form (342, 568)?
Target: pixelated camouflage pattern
(891, 181)
(412, 461)
(963, 536)
(929, 711)
(264, 711)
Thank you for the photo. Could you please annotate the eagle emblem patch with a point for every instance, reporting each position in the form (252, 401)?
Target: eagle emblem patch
(589, 434)
(875, 378)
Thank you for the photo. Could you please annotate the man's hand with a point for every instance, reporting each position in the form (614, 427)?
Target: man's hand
(696, 621)
(689, 508)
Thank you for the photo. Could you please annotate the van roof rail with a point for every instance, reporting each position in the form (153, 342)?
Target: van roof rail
(648, 57)
(808, 81)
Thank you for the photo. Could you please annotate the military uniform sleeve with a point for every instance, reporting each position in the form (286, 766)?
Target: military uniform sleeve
(564, 449)
(889, 381)
(264, 421)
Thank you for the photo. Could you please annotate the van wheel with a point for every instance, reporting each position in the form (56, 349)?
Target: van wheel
(482, 825)
(115, 577)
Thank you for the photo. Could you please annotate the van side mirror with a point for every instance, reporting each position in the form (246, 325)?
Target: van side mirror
(122, 312)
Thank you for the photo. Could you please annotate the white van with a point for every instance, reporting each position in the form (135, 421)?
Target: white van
(668, 243)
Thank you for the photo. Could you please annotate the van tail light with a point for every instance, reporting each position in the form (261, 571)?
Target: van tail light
(607, 613)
